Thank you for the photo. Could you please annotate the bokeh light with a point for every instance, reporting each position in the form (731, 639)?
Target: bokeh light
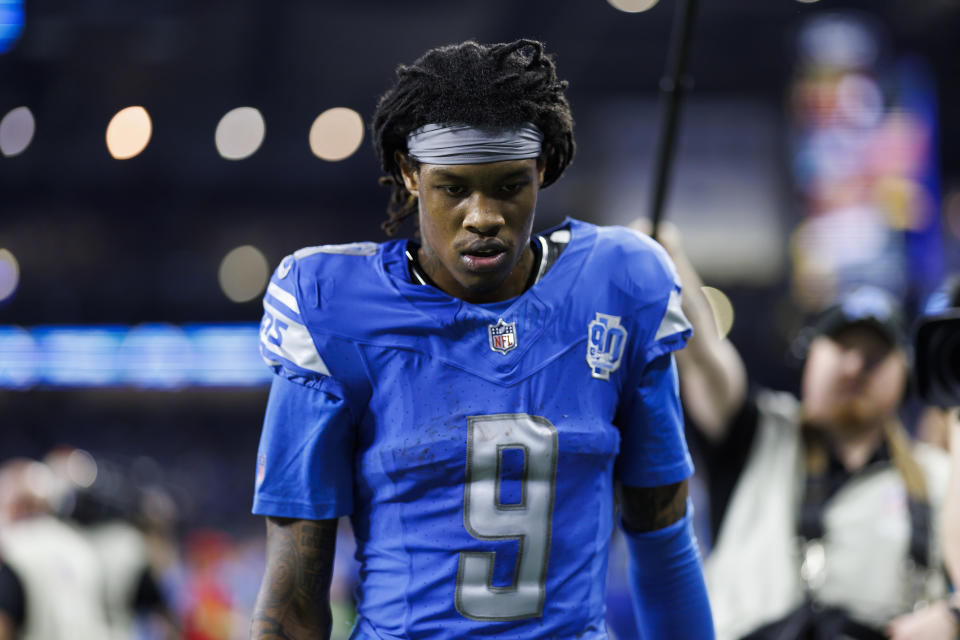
(240, 133)
(633, 6)
(81, 468)
(722, 309)
(9, 274)
(336, 134)
(16, 131)
(243, 273)
(129, 132)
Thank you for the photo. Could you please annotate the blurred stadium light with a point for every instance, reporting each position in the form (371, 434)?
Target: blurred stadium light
(243, 273)
(16, 131)
(9, 274)
(129, 132)
(336, 134)
(240, 133)
(722, 309)
(633, 6)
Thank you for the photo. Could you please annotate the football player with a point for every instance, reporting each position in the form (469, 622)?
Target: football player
(472, 399)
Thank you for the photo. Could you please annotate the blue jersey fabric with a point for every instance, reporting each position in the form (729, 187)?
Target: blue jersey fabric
(474, 447)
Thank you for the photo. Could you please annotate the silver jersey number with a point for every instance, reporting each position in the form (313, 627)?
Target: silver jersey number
(487, 518)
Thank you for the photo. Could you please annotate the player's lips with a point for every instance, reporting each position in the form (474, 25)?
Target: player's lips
(484, 256)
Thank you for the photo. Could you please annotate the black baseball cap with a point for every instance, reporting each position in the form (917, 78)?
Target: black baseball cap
(866, 305)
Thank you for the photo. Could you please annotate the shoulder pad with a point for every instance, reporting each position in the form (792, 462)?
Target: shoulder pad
(312, 297)
(285, 340)
(641, 263)
(349, 249)
(641, 267)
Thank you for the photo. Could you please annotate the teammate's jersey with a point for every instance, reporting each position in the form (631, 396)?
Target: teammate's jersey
(474, 446)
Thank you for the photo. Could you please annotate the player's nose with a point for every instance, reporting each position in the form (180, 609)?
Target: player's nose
(483, 216)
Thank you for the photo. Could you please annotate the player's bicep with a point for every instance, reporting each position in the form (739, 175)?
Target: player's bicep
(646, 509)
(653, 449)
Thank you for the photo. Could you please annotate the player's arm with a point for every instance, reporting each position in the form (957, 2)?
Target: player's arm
(713, 379)
(294, 597)
(646, 509)
(665, 573)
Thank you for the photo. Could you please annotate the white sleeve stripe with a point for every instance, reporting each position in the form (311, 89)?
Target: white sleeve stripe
(308, 361)
(285, 297)
(296, 345)
(270, 361)
(673, 319)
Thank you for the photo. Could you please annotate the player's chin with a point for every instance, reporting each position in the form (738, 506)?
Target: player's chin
(854, 415)
(483, 282)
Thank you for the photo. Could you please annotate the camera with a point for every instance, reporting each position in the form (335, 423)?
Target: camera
(937, 348)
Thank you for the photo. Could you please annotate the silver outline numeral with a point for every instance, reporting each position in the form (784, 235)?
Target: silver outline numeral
(486, 518)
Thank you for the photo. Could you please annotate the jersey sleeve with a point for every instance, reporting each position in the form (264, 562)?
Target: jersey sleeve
(661, 304)
(285, 341)
(306, 453)
(653, 448)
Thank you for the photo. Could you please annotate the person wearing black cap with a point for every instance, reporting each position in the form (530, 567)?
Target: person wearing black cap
(823, 511)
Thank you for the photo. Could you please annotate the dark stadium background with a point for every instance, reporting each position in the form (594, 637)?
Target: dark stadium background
(101, 241)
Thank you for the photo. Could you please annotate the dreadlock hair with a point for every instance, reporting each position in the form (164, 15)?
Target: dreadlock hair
(498, 85)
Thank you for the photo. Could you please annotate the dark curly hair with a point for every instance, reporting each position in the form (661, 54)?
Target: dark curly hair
(497, 85)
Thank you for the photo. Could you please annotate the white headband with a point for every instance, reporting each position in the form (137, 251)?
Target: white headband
(463, 144)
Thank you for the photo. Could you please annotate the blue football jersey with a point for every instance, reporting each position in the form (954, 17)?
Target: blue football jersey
(474, 446)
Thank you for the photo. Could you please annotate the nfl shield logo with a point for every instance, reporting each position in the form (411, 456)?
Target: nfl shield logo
(503, 336)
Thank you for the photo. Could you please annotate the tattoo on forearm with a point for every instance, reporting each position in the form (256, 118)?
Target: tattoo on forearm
(314, 537)
(652, 508)
(294, 598)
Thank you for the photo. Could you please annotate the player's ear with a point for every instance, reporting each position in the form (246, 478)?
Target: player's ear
(410, 173)
(541, 168)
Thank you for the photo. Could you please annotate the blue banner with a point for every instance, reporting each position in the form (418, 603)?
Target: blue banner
(149, 356)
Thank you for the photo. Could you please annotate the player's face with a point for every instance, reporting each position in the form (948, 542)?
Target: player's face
(853, 380)
(475, 225)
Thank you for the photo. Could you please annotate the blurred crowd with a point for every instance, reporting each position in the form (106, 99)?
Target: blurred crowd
(85, 552)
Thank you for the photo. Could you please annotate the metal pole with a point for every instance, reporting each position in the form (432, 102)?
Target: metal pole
(672, 86)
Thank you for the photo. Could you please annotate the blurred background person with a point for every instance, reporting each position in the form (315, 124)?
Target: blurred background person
(57, 572)
(114, 514)
(937, 356)
(823, 510)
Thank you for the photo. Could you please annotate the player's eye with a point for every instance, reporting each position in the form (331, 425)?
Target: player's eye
(513, 188)
(454, 190)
